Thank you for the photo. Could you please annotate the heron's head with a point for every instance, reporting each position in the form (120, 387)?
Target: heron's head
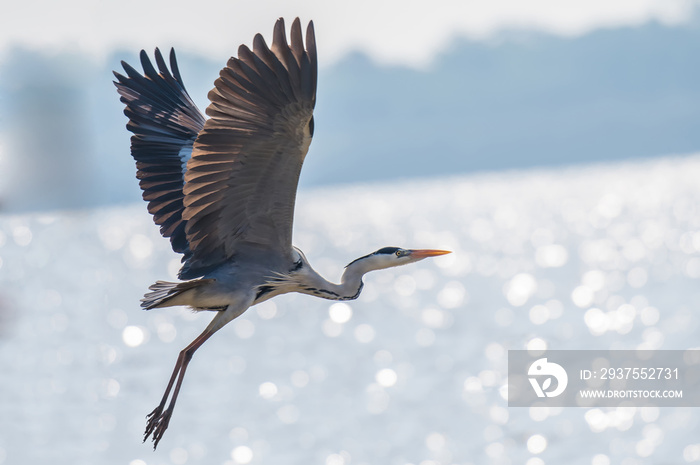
(388, 257)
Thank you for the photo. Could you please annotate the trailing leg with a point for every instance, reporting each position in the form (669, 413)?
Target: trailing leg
(159, 418)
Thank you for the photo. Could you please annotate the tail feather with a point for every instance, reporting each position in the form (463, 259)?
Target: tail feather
(164, 291)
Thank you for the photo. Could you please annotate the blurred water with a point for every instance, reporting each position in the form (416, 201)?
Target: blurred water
(413, 372)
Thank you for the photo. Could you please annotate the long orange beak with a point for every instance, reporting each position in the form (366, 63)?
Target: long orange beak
(424, 253)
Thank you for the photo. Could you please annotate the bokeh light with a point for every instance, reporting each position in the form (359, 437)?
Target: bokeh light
(544, 260)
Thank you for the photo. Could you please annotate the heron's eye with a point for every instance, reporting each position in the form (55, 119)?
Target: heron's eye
(399, 253)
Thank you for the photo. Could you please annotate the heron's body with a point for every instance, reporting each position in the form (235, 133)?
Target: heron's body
(223, 189)
(247, 279)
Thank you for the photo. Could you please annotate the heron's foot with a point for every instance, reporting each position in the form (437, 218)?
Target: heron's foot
(157, 424)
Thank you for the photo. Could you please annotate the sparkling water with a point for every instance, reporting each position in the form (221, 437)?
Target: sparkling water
(413, 372)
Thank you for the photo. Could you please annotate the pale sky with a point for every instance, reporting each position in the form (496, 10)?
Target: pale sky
(407, 32)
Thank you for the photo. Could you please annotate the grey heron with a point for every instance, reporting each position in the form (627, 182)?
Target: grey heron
(223, 189)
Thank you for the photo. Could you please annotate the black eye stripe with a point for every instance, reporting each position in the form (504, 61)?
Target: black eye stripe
(382, 251)
(387, 250)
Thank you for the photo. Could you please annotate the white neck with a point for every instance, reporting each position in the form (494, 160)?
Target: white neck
(306, 280)
(349, 288)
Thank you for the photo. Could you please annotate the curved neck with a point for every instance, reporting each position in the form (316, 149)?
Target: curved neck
(352, 279)
(349, 288)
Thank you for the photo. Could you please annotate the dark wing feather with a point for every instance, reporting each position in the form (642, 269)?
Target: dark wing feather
(241, 182)
(165, 122)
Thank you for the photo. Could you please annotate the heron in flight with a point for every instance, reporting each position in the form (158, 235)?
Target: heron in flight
(223, 188)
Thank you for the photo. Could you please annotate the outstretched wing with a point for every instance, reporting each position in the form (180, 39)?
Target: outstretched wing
(241, 182)
(165, 122)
